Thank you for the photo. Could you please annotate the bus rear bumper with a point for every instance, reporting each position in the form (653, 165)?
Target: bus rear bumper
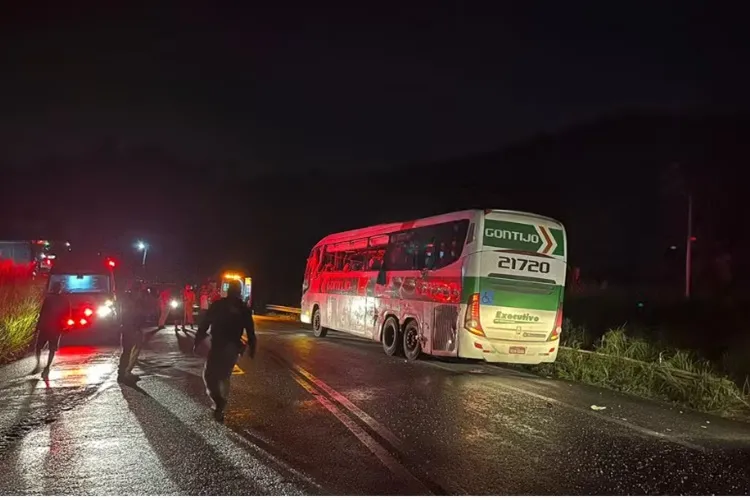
(503, 351)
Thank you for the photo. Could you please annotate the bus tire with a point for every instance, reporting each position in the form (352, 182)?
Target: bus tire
(317, 323)
(412, 340)
(391, 337)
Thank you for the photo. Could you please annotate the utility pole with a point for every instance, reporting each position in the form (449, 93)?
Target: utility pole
(678, 183)
(144, 248)
(689, 247)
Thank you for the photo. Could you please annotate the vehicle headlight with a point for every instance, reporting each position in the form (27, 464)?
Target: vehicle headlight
(103, 311)
(174, 304)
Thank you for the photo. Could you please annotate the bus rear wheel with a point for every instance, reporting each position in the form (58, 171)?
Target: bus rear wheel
(412, 341)
(391, 337)
(317, 323)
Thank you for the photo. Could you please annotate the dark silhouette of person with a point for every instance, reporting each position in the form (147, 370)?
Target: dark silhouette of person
(228, 318)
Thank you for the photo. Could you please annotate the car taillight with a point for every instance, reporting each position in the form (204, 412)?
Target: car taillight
(557, 330)
(472, 321)
(88, 312)
(83, 322)
(71, 322)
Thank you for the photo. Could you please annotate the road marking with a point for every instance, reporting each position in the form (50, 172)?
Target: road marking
(249, 437)
(381, 453)
(380, 430)
(366, 418)
(237, 370)
(622, 423)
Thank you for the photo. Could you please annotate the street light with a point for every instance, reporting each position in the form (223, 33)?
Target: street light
(144, 248)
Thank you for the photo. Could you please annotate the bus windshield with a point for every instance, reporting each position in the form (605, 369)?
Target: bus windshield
(81, 283)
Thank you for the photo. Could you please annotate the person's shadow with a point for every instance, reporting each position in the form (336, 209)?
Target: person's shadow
(174, 443)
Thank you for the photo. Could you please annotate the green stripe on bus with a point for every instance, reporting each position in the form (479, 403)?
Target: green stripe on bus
(513, 293)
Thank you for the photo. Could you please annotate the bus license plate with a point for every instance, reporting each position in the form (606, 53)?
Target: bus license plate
(518, 350)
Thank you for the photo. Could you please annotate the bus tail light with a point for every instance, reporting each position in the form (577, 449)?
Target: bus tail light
(472, 321)
(557, 330)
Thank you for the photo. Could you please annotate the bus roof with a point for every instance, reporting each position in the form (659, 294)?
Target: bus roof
(526, 214)
(393, 227)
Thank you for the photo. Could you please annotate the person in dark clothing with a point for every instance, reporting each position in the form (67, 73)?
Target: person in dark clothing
(52, 320)
(133, 314)
(227, 318)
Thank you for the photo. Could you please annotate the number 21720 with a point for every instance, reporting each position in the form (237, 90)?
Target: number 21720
(519, 264)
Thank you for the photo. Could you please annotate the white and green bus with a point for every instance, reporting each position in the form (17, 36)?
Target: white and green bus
(479, 284)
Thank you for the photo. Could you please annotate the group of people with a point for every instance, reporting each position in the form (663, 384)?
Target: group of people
(208, 294)
(227, 319)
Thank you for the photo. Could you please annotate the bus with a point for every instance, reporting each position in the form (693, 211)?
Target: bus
(475, 284)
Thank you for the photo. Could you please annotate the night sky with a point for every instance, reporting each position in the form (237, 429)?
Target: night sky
(105, 109)
(350, 88)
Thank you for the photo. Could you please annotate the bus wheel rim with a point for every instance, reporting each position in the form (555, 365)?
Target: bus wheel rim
(411, 339)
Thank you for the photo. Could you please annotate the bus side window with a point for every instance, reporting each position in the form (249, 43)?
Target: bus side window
(402, 252)
(328, 261)
(359, 259)
(373, 259)
(313, 264)
(320, 257)
(338, 261)
(441, 244)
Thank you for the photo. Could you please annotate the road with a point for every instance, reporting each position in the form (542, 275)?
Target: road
(337, 416)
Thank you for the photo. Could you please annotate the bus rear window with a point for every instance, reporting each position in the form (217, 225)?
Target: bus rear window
(83, 283)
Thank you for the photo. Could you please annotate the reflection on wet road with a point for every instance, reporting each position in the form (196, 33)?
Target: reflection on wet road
(336, 415)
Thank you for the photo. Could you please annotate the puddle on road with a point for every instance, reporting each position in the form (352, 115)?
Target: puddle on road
(72, 382)
(93, 374)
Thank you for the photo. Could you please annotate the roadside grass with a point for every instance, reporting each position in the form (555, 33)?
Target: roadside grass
(20, 301)
(635, 366)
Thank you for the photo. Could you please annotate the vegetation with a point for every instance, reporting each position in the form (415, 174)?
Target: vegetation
(636, 366)
(20, 300)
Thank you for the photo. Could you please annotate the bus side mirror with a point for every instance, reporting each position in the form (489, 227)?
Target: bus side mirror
(382, 277)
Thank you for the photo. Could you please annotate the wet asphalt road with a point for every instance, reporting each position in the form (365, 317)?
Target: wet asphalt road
(337, 416)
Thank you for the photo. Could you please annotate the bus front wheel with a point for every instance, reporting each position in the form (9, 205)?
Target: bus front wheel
(391, 337)
(318, 329)
(412, 341)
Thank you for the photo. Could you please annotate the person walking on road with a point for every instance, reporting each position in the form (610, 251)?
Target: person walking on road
(52, 321)
(227, 318)
(165, 297)
(188, 300)
(131, 333)
(215, 294)
(204, 301)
